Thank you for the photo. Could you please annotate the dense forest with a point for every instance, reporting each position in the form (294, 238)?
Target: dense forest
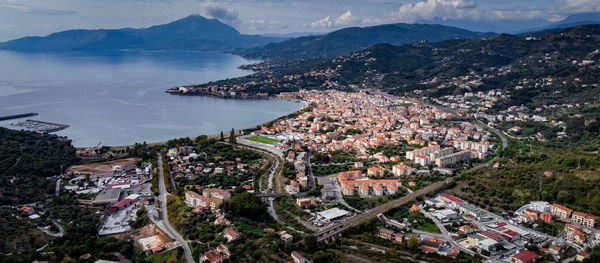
(27, 160)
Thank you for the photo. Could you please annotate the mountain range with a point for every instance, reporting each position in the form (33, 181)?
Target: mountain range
(352, 39)
(194, 33)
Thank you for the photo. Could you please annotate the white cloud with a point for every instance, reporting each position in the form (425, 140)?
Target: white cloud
(213, 10)
(343, 20)
(445, 9)
(576, 6)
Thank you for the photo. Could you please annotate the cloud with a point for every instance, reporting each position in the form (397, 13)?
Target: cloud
(343, 20)
(214, 10)
(27, 9)
(445, 9)
(576, 6)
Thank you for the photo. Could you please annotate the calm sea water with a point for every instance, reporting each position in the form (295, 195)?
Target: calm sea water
(119, 98)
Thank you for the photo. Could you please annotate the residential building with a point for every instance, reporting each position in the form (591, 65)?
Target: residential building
(451, 159)
(299, 258)
(583, 219)
(411, 155)
(524, 256)
(402, 169)
(375, 171)
(231, 234)
(560, 211)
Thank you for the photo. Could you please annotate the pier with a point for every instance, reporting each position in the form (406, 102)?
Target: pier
(41, 126)
(10, 117)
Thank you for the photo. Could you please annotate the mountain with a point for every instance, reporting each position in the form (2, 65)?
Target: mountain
(499, 26)
(191, 33)
(570, 21)
(352, 39)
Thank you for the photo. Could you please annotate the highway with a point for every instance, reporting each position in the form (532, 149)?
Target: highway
(164, 223)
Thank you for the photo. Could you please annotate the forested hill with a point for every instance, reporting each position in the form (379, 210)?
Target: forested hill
(561, 67)
(193, 33)
(27, 159)
(353, 39)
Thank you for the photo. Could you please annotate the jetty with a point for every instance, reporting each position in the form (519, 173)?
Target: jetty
(18, 116)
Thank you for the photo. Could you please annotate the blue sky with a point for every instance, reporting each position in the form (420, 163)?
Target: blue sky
(40, 17)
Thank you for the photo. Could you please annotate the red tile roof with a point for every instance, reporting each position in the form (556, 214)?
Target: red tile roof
(526, 256)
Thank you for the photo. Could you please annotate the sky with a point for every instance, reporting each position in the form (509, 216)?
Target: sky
(20, 18)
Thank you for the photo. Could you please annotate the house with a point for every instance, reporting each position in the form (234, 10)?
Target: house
(582, 255)
(375, 171)
(222, 249)
(546, 217)
(299, 258)
(525, 256)
(402, 169)
(212, 256)
(385, 233)
(304, 202)
(554, 250)
(560, 211)
(231, 234)
(222, 221)
(27, 210)
(583, 219)
(465, 229)
(286, 237)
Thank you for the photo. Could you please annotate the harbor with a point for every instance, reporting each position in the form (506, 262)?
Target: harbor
(40, 126)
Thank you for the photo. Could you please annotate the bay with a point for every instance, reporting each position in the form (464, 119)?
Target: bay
(118, 98)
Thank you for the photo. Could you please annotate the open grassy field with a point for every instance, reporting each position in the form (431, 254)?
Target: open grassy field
(263, 139)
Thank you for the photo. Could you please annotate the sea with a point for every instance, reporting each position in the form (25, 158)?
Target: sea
(118, 98)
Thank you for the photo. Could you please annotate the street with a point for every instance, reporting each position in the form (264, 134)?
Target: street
(164, 224)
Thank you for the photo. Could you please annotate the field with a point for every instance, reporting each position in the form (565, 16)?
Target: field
(263, 139)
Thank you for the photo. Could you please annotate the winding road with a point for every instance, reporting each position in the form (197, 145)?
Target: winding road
(164, 222)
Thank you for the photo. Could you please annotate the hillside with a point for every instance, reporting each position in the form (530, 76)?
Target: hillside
(353, 39)
(191, 33)
(568, 58)
(27, 160)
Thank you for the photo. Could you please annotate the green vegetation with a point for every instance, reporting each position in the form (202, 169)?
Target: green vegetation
(371, 202)
(534, 170)
(263, 139)
(246, 205)
(324, 170)
(416, 219)
(142, 218)
(27, 159)
(232, 138)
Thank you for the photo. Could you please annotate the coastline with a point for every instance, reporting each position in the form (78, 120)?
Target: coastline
(306, 104)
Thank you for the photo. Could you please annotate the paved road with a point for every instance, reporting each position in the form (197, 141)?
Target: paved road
(309, 173)
(328, 232)
(164, 223)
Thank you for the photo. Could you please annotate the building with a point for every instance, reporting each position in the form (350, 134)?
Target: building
(451, 159)
(299, 258)
(450, 200)
(216, 193)
(212, 256)
(194, 199)
(402, 169)
(560, 211)
(411, 155)
(482, 147)
(422, 160)
(303, 202)
(583, 219)
(546, 217)
(231, 234)
(525, 256)
(441, 153)
(107, 197)
(385, 233)
(332, 214)
(582, 255)
(375, 171)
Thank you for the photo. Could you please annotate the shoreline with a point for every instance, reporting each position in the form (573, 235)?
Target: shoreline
(306, 104)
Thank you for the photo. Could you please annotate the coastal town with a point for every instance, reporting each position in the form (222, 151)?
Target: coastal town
(463, 150)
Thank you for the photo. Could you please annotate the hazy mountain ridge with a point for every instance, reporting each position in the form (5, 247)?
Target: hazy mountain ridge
(353, 39)
(194, 33)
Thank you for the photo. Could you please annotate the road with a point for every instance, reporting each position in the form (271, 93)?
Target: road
(338, 228)
(164, 222)
(309, 173)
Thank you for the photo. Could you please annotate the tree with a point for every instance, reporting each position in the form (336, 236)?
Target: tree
(222, 137)
(232, 137)
(413, 243)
